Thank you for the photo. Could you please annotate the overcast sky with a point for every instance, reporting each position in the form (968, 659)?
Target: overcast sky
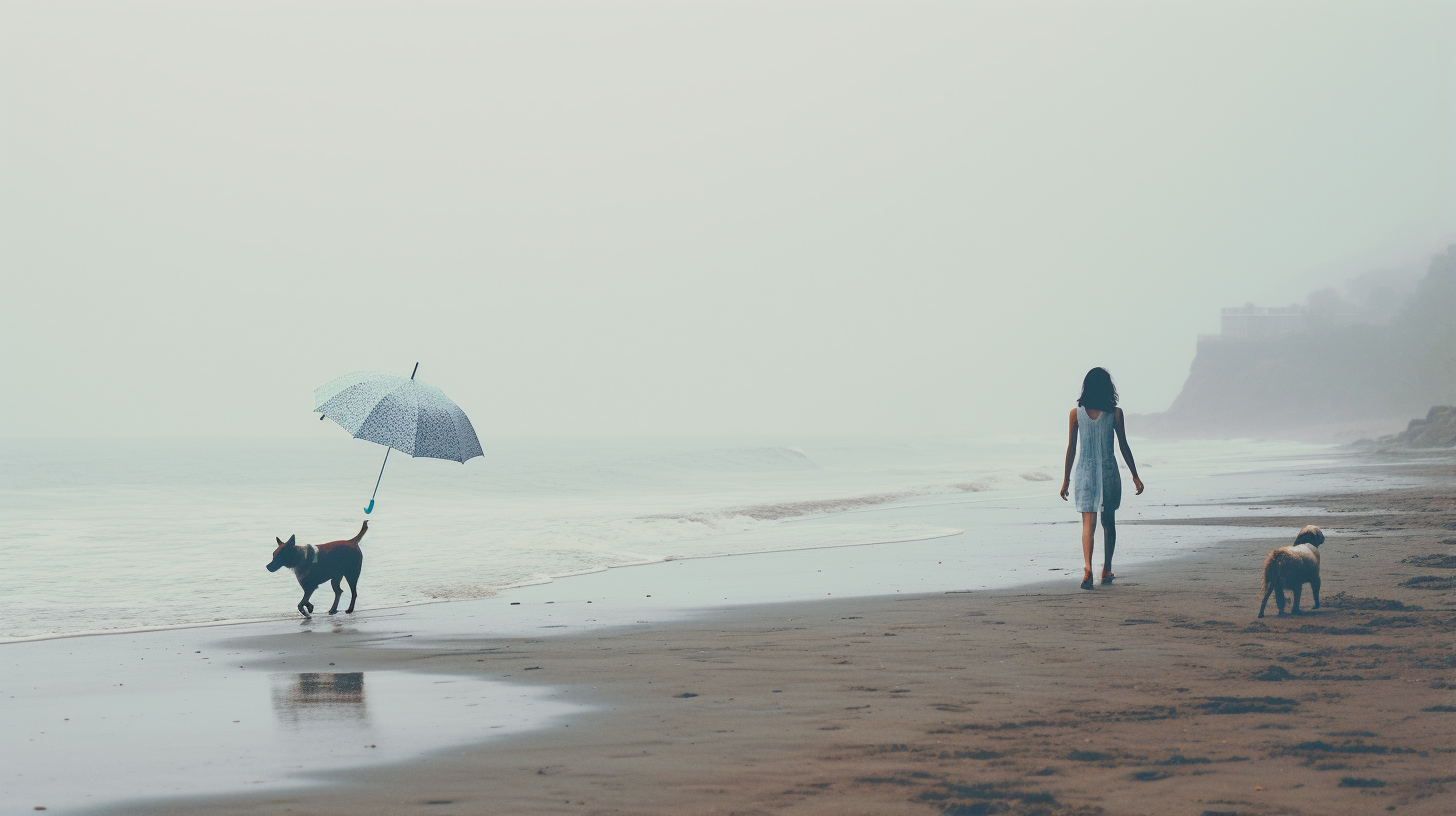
(687, 217)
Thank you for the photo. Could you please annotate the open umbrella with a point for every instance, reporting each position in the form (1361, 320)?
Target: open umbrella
(399, 412)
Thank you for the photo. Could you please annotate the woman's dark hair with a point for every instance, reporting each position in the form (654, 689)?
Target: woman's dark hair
(1098, 392)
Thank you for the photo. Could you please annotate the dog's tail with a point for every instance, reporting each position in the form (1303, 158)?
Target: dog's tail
(362, 531)
(1274, 567)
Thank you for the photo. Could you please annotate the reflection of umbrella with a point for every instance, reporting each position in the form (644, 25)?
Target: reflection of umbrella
(400, 412)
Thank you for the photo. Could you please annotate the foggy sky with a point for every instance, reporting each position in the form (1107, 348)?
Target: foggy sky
(687, 217)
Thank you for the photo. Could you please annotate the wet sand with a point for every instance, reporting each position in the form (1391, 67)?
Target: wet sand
(1159, 694)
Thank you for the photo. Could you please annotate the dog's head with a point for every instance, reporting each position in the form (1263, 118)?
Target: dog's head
(1310, 535)
(288, 554)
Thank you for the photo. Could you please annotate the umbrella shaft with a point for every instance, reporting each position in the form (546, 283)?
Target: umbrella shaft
(377, 481)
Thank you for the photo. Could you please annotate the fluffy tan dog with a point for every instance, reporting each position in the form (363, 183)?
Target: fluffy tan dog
(1292, 567)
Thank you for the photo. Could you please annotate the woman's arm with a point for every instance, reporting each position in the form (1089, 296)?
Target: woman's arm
(1071, 454)
(1126, 451)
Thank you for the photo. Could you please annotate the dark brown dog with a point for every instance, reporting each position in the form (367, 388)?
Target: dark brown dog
(1292, 567)
(334, 561)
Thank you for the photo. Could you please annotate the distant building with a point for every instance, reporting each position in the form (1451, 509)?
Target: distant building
(1250, 322)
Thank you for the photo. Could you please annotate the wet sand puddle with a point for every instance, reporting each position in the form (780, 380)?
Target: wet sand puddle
(135, 716)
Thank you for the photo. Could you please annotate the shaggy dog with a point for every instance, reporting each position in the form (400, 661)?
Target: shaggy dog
(332, 562)
(1292, 567)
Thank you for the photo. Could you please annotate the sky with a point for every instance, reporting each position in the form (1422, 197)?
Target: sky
(687, 217)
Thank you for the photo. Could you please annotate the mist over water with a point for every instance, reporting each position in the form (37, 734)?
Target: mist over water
(635, 218)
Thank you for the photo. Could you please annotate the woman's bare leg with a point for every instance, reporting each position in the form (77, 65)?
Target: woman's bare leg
(1109, 539)
(1089, 526)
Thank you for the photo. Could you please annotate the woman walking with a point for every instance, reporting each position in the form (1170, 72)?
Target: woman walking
(1098, 484)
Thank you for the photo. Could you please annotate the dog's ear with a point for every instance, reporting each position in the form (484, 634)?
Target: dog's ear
(1310, 535)
(279, 540)
(290, 540)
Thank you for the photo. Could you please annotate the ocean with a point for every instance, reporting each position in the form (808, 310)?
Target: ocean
(117, 534)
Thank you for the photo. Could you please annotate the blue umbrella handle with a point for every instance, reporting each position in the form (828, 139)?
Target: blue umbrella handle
(370, 508)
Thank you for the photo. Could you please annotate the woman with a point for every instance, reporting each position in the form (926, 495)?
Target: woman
(1099, 486)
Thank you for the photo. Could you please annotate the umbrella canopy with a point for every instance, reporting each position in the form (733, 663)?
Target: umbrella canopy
(401, 412)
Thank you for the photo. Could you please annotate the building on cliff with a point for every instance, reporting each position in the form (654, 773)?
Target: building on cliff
(1250, 322)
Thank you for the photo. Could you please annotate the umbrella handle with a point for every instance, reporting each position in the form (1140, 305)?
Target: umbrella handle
(370, 508)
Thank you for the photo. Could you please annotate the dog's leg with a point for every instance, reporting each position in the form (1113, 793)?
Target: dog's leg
(1279, 592)
(338, 593)
(1268, 590)
(353, 579)
(1314, 590)
(1298, 587)
(304, 606)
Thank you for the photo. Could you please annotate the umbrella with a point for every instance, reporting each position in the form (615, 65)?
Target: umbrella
(401, 413)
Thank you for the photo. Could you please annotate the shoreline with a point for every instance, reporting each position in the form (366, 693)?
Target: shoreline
(492, 592)
(1017, 640)
(485, 535)
(960, 498)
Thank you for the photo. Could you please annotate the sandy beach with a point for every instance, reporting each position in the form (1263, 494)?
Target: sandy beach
(1160, 694)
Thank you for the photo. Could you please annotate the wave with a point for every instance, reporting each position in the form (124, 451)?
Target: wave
(819, 507)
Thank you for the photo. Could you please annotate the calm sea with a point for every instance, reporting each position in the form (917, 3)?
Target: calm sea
(118, 534)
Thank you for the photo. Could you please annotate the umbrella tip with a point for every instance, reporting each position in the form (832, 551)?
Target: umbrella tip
(416, 371)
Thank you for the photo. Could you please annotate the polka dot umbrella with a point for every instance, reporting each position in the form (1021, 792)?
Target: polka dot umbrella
(401, 413)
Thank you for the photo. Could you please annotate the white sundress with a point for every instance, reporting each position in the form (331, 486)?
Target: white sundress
(1095, 478)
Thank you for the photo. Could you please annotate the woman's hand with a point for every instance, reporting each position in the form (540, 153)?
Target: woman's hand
(1139, 483)
(1065, 485)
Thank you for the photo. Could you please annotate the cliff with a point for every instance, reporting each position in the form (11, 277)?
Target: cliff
(1437, 430)
(1324, 382)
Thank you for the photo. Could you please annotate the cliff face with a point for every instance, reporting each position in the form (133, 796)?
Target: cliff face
(1325, 383)
(1437, 430)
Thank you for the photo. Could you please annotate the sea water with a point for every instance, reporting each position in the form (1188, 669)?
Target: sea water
(112, 534)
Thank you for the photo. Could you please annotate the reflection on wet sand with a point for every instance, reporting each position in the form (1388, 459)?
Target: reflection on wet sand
(312, 697)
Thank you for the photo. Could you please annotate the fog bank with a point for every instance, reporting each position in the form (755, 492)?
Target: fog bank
(686, 218)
